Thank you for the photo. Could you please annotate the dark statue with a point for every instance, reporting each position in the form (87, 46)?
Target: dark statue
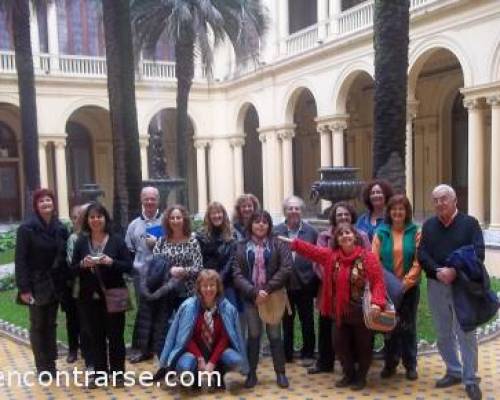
(158, 168)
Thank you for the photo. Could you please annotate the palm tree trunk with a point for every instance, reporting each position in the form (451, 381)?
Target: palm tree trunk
(123, 112)
(390, 40)
(27, 99)
(184, 71)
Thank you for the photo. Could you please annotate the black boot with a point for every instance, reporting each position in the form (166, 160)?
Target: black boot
(253, 349)
(278, 354)
(251, 380)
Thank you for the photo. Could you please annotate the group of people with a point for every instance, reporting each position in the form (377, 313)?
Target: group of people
(201, 296)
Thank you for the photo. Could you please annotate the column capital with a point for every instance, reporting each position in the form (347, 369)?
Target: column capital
(43, 142)
(201, 144)
(144, 141)
(237, 141)
(60, 143)
(286, 134)
(263, 137)
(323, 128)
(472, 104)
(494, 100)
(338, 126)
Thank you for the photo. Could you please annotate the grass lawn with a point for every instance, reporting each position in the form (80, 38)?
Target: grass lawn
(18, 315)
(6, 256)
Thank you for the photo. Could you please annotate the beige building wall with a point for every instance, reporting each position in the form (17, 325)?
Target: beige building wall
(335, 65)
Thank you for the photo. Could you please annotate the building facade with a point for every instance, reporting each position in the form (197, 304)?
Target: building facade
(267, 127)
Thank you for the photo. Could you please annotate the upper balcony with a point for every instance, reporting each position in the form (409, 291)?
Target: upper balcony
(350, 22)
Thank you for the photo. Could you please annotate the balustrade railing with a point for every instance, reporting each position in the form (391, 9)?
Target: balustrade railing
(302, 40)
(158, 69)
(350, 21)
(82, 66)
(356, 18)
(7, 61)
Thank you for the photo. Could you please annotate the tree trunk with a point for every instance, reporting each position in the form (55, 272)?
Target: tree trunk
(184, 71)
(121, 92)
(27, 99)
(390, 40)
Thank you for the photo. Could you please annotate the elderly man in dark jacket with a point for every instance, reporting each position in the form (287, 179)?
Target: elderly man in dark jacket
(442, 234)
(303, 283)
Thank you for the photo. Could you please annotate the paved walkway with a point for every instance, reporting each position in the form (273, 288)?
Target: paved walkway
(14, 356)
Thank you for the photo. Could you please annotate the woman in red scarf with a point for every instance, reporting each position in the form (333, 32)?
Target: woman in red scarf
(346, 268)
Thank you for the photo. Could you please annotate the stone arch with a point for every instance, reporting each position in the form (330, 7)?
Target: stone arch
(158, 107)
(422, 51)
(495, 62)
(344, 82)
(89, 151)
(439, 138)
(292, 95)
(78, 104)
(241, 110)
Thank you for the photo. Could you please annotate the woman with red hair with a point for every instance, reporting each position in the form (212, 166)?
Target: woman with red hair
(39, 265)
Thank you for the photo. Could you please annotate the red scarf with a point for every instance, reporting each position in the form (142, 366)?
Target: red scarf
(339, 284)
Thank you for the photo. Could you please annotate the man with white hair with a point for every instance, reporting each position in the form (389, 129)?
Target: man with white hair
(442, 234)
(140, 241)
(303, 282)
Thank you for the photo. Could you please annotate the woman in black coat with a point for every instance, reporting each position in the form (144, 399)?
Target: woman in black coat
(100, 259)
(217, 246)
(39, 267)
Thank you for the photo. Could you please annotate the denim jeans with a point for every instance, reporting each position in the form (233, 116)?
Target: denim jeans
(230, 360)
(448, 331)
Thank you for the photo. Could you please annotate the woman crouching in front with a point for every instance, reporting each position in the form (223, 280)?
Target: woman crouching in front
(205, 334)
(347, 266)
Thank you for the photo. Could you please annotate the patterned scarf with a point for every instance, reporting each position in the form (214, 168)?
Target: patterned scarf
(342, 282)
(207, 327)
(259, 266)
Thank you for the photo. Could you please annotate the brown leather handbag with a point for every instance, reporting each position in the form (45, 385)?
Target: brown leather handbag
(117, 299)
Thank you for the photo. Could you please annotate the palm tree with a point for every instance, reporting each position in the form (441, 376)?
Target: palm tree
(194, 25)
(390, 41)
(123, 112)
(19, 11)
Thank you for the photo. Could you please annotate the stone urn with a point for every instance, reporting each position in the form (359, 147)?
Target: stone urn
(165, 186)
(336, 184)
(90, 192)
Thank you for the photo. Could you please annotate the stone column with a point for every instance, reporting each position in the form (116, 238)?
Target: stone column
(322, 14)
(475, 159)
(335, 10)
(337, 128)
(237, 146)
(265, 190)
(286, 136)
(144, 144)
(42, 161)
(201, 174)
(53, 35)
(283, 19)
(274, 172)
(494, 101)
(326, 153)
(35, 37)
(411, 113)
(61, 178)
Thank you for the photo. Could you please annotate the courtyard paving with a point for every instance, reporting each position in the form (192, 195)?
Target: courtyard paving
(16, 356)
